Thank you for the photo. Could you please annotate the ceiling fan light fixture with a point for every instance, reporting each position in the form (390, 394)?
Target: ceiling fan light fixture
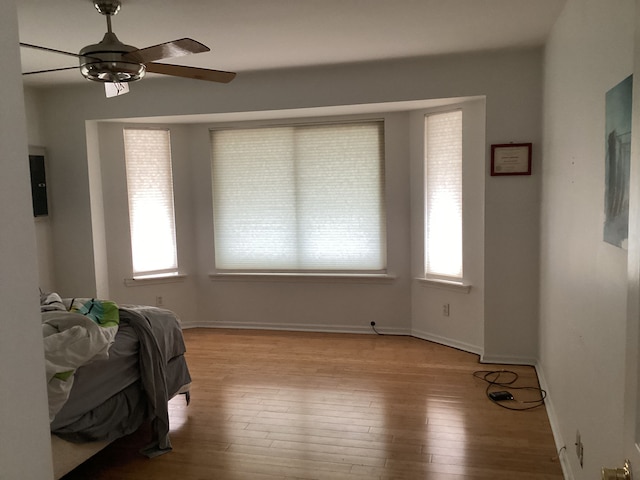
(113, 72)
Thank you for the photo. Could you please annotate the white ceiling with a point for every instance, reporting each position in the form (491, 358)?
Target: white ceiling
(249, 35)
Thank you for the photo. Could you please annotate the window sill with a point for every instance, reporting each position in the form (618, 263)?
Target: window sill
(373, 278)
(154, 280)
(445, 285)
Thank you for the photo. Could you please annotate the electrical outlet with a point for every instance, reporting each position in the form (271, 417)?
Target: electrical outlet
(445, 309)
(159, 301)
(579, 448)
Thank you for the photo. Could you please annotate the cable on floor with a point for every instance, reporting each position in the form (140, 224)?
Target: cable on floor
(373, 327)
(495, 380)
(559, 453)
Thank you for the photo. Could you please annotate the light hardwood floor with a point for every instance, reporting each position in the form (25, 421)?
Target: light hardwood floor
(287, 405)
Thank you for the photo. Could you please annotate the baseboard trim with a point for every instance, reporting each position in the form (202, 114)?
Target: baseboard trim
(567, 472)
(296, 327)
(449, 342)
(508, 360)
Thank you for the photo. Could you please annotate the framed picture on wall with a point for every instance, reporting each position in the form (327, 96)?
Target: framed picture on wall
(511, 159)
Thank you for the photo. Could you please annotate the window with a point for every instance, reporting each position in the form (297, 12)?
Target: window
(443, 197)
(150, 192)
(300, 198)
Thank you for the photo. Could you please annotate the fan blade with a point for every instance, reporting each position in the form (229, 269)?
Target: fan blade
(191, 72)
(50, 70)
(47, 49)
(61, 52)
(177, 48)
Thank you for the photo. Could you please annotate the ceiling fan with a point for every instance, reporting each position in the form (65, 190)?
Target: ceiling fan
(115, 64)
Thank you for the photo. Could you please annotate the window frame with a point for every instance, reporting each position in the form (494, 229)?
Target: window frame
(474, 178)
(454, 279)
(357, 275)
(160, 273)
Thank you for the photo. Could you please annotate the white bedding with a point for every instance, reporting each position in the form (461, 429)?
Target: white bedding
(71, 340)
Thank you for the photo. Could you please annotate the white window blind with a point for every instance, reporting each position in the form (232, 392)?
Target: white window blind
(299, 198)
(150, 192)
(443, 185)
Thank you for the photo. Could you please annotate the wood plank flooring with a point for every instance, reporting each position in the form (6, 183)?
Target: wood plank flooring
(290, 405)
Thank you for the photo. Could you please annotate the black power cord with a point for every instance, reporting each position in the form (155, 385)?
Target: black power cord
(495, 381)
(373, 327)
(500, 396)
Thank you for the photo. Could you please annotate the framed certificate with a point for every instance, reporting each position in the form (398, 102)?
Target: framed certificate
(511, 159)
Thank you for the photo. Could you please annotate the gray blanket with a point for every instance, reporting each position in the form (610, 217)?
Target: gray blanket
(159, 343)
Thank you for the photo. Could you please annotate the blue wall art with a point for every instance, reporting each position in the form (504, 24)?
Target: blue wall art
(617, 162)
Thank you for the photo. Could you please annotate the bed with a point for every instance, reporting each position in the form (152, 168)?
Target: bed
(110, 368)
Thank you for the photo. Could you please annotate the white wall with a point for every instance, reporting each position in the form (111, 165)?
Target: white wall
(25, 450)
(179, 296)
(511, 83)
(44, 242)
(292, 302)
(583, 280)
(464, 326)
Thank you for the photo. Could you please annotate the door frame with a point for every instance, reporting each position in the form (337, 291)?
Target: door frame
(632, 347)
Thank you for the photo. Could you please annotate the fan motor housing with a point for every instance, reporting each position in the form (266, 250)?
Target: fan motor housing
(105, 61)
(112, 72)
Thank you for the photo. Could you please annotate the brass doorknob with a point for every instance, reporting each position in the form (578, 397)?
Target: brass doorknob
(623, 473)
